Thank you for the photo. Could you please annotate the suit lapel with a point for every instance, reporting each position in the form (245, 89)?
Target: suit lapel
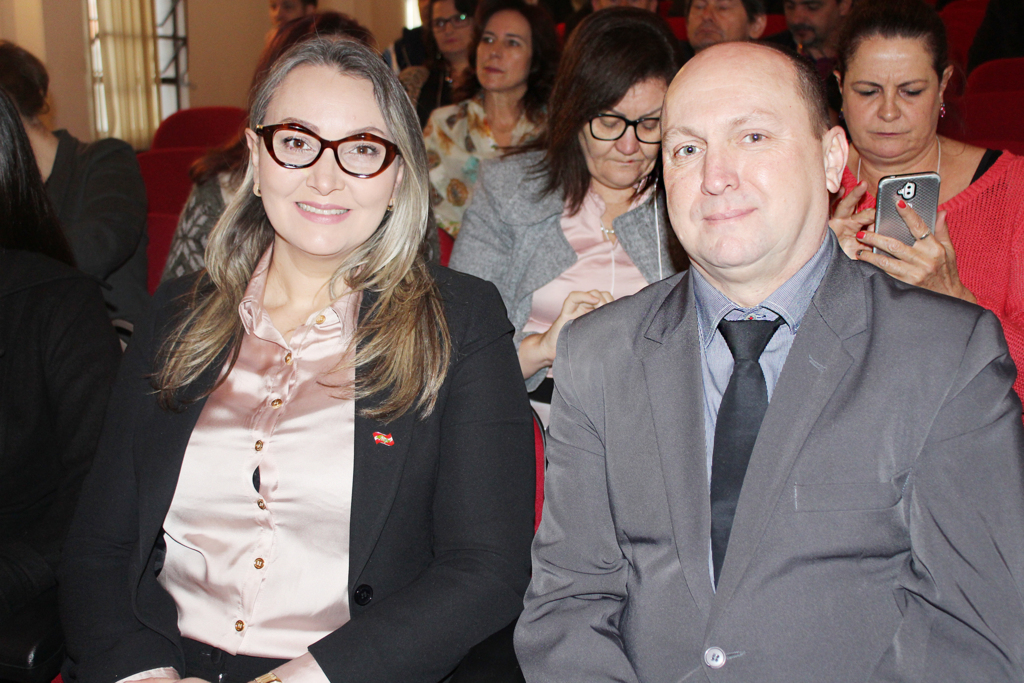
(673, 373)
(816, 365)
(379, 454)
(379, 462)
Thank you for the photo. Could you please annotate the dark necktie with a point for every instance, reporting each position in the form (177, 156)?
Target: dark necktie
(739, 419)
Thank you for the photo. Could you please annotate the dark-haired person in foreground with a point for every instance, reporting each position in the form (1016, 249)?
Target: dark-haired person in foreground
(58, 358)
(782, 465)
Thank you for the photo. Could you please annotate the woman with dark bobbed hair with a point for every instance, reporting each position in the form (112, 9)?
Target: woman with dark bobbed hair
(58, 358)
(515, 60)
(893, 69)
(96, 190)
(318, 460)
(577, 221)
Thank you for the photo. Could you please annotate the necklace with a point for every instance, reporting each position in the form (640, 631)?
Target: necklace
(938, 164)
(608, 233)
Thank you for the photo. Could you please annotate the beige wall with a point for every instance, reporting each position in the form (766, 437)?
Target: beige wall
(226, 36)
(225, 39)
(54, 31)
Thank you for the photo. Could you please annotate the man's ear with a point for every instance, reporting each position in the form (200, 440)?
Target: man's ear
(757, 26)
(835, 149)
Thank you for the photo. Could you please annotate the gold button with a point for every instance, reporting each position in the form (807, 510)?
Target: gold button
(276, 403)
(239, 625)
(320, 319)
(258, 563)
(259, 445)
(262, 504)
(288, 358)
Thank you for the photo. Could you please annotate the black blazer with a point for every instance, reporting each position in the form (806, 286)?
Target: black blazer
(58, 359)
(440, 530)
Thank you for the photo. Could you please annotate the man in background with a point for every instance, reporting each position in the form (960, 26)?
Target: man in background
(710, 22)
(813, 31)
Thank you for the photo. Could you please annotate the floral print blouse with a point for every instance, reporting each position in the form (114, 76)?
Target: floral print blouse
(458, 139)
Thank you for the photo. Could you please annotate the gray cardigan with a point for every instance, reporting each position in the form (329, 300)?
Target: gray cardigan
(512, 235)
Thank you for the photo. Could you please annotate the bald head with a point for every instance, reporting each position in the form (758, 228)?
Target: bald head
(748, 168)
(804, 77)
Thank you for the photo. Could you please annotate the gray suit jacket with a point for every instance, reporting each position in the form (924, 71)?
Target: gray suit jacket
(880, 531)
(512, 235)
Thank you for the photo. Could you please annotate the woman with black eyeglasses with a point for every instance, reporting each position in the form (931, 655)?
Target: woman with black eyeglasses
(577, 222)
(318, 461)
(443, 78)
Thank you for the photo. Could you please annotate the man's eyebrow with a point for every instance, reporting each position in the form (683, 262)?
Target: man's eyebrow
(755, 115)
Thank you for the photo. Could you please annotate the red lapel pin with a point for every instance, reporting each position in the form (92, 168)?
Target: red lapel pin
(383, 439)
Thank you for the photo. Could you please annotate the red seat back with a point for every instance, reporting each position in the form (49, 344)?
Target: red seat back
(203, 127)
(993, 115)
(962, 19)
(539, 438)
(678, 25)
(445, 241)
(165, 172)
(776, 24)
(997, 76)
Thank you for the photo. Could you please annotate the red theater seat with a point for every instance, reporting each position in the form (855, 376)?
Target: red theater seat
(776, 24)
(203, 127)
(997, 76)
(165, 172)
(993, 115)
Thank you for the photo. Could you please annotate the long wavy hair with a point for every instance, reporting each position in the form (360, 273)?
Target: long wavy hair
(402, 342)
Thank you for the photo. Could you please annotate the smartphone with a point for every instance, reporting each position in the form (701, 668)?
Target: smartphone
(921, 193)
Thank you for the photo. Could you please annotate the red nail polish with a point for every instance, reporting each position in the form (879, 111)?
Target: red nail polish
(902, 204)
(860, 235)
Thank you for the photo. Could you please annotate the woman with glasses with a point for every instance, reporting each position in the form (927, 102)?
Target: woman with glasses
(447, 72)
(318, 460)
(577, 222)
(515, 60)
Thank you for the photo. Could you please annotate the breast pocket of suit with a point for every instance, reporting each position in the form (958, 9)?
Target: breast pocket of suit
(848, 497)
(864, 516)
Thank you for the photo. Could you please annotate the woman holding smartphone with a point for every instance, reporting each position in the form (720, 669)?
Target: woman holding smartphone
(317, 464)
(893, 69)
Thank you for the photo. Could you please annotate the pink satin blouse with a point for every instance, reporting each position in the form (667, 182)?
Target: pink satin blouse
(600, 265)
(265, 572)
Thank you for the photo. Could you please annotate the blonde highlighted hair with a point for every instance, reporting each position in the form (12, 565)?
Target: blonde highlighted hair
(402, 341)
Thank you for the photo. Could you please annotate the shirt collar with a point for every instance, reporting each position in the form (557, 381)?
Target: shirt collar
(256, 320)
(790, 300)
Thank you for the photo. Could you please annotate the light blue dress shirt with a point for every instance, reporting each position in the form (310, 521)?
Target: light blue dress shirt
(790, 301)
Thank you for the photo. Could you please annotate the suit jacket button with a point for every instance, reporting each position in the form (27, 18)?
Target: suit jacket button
(714, 657)
(363, 594)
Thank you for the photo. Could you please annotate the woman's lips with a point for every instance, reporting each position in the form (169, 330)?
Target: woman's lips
(322, 213)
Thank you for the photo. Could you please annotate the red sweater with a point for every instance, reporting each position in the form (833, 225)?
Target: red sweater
(986, 226)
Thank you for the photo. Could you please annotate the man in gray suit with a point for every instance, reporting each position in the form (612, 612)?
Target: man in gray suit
(879, 531)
